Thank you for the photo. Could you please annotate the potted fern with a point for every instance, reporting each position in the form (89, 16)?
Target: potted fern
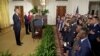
(34, 10)
(44, 12)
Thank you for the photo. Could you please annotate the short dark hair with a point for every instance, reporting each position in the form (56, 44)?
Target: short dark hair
(16, 9)
(96, 17)
(29, 11)
(80, 25)
(65, 25)
(86, 30)
(90, 18)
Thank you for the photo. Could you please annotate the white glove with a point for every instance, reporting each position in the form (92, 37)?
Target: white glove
(36, 32)
(65, 44)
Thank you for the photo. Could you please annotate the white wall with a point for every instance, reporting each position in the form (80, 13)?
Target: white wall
(51, 6)
(26, 4)
(71, 6)
(83, 6)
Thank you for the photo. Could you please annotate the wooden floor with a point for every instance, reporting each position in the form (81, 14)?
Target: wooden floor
(7, 42)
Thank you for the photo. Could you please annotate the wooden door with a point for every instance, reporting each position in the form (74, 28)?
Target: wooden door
(61, 10)
(21, 15)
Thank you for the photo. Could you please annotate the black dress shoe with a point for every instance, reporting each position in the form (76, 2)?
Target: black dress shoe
(19, 44)
(27, 33)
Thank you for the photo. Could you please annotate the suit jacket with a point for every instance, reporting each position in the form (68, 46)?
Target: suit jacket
(72, 33)
(29, 18)
(85, 48)
(65, 35)
(26, 19)
(96, 29)
(16, 25)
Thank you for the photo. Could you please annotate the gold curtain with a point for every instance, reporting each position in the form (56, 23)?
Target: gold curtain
(4, 16)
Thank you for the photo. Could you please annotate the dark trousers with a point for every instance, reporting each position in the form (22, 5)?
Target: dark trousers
(97, 49)
(17, 36)
(26, 28)
(30, 27)
(94, 47)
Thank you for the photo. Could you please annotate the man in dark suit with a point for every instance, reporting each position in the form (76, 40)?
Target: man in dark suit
(17, 26)
(64, 33)
(72, 33)
(98, 46)
(84, 47)
(94, 32)
(73, 42)
(26, 24)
